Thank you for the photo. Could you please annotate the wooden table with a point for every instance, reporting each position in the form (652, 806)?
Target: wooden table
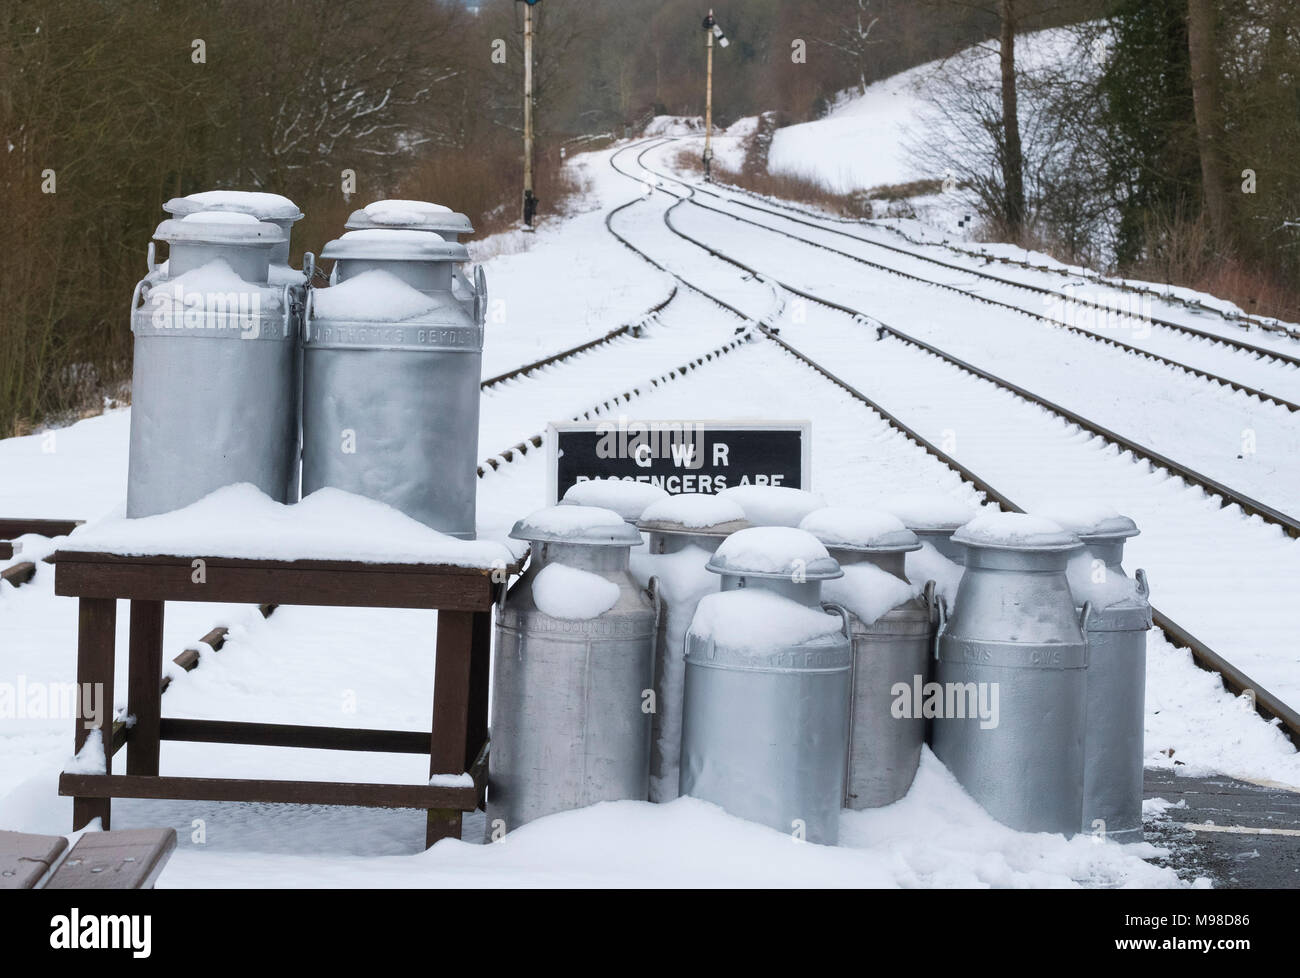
(457, 742)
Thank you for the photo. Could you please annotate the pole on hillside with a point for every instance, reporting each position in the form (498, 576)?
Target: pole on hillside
(711, 30)
(530, 199)
(708, 97)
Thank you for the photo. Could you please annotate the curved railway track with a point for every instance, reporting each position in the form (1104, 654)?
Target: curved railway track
(1234, 679)
(1286, 360)
(820, 222)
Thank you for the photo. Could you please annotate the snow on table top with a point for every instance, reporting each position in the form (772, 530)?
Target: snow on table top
(571, 593)
(624, 496)
(845, 526)
(760, 620)
(774, 505)
(869, 592)
(1014, 530)
(375, 295)
(240, 521)
(694, 510)
(772, 550)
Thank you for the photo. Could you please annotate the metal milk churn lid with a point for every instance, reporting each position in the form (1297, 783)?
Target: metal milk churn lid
(1116, 633)
(423, 261)
(933, 517)
(773, 505)
(683, 531)
(690, 519)
(766, 702)
(572, 671)
(270, 208)
(411, 215)
(240, 240)
(213, 372)
(626, 497)
(392, 364)
(1009, 697)
(892, 629)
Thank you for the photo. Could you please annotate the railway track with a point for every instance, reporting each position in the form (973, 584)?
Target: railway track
(820, 221)
(1236, 680)
(1255, 356)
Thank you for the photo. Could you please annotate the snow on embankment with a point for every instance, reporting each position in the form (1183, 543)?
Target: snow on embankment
(864, 140)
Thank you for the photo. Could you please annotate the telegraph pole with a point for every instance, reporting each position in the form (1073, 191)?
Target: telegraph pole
(530, 199)
(711, 30)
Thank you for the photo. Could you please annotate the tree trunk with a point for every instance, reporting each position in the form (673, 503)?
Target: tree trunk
(1013, 166)
(1205, 104)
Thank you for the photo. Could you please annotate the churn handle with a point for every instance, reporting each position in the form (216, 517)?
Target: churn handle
(843, 612)
(480, 297)
(1144, 589)
(1085, 613)
(941, 622)
(151, 258)
(653, 589)
(135, 301)
(287, 299)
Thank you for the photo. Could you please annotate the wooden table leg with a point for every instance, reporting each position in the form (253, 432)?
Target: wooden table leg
(480, 669)
(144, 687)
(96, 640)
(451, 694)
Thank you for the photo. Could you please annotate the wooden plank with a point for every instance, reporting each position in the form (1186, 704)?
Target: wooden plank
(144, 686)
(450, 736)
(96, 636)
(293, 735)
(271, 792)
(19, 574)
(41, 528)
(298, 582)
(123, 860)
(24, 858)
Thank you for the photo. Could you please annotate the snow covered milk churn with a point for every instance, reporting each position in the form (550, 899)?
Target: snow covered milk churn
(683, 531)
(573, 648)
(284, 214)
(765, 711)
(1117, 664)
(213, 379)
(1011, 672)
(393, 360)
(892, 629)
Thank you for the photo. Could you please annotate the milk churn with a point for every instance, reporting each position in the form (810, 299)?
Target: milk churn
(683, 533)
(1011, 675)
(393, 361)
(773, 505)
(411, 215)
(765, 713)
(213, 376)
(574, 643)
(626, 497)
(892, 629)
(1117, 658)
(933, 517)
(283, 213)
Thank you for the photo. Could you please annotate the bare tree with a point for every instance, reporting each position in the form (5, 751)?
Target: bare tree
(1201, 18)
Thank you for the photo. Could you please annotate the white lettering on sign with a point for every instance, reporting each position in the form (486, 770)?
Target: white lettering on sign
(720, 452)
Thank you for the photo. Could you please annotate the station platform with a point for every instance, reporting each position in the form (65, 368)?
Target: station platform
(1236, 833)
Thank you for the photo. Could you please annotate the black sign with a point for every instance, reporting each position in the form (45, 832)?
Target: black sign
(681, 456)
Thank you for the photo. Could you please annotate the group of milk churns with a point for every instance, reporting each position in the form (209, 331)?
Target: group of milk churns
(246, 371)
(786, 660)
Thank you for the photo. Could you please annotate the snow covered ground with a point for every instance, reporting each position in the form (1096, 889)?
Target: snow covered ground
(572, 282)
